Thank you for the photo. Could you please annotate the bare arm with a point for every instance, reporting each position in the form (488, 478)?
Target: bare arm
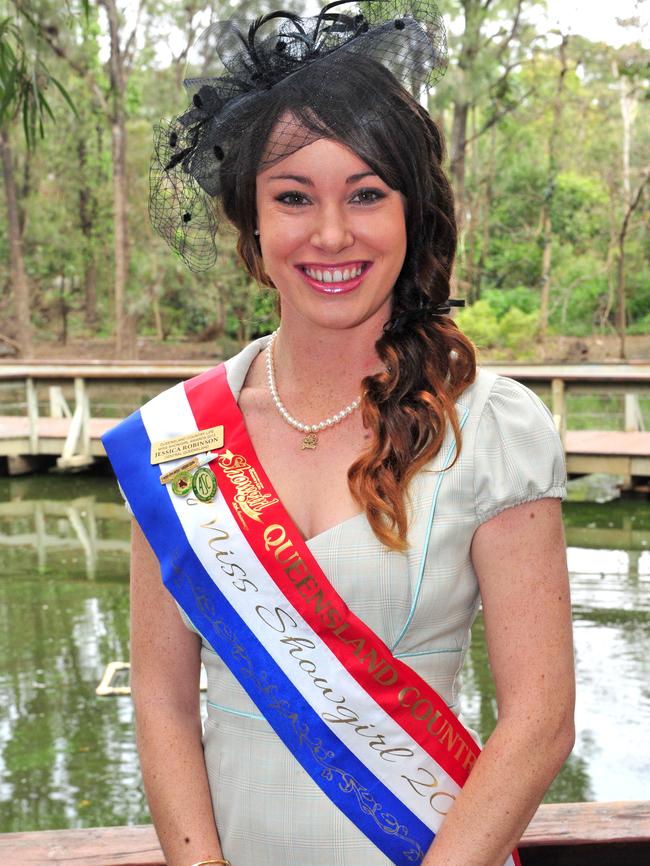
(165, 667)
(520, 560)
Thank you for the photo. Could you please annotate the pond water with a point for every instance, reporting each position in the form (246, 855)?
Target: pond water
(67, 757)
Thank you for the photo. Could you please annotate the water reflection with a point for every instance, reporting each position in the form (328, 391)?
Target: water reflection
(67, 757)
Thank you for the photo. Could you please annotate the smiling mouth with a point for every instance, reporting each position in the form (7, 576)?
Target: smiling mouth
(335, 275)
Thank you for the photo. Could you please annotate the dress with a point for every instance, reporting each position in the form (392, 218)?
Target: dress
(269, 812)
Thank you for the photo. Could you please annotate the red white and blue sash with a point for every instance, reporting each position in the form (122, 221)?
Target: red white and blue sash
(375, 737)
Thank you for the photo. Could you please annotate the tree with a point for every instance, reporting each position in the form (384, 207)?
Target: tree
(551, 181)
(120, 62)
(490, 46)
(25, 78)
(632, 82)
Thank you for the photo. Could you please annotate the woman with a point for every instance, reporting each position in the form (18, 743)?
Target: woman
(416, 482)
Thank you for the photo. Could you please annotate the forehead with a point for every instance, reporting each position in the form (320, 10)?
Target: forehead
(292, 143)
(322, 159)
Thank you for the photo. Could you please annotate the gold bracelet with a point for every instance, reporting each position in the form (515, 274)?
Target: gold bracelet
(207, 862)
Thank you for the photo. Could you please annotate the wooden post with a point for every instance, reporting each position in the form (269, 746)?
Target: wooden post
(76, 449)
(58, 404)
(81, 399)
(32, 414)
(633, 415)
(559, 408)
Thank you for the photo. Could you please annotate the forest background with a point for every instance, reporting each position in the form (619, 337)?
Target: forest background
(548, 150)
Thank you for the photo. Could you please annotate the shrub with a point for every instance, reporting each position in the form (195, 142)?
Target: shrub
(518, 330)
(480, 324)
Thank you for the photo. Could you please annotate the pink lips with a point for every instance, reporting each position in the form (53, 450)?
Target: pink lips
(339, 288)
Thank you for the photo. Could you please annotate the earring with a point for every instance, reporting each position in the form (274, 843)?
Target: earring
(256, 233)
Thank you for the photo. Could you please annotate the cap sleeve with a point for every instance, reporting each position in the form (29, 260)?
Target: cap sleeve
(518, 455)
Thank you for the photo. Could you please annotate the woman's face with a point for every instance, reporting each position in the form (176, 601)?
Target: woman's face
(332, 235)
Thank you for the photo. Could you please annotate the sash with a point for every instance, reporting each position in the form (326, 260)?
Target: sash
(371, 733)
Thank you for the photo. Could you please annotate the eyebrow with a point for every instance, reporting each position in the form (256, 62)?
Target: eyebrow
(299, 178)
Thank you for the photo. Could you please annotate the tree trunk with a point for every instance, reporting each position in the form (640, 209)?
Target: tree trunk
(123, 338)
(547, 261)
(124, 334)
(472, 207)
(90, 290)
(19, 280)
(621, 313)
(546, 227)
(87, 211)
(612, 256)
(458, 149)
(486, 212)
(628, 105)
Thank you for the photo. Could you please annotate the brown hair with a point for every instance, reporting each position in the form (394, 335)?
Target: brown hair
(428, 361)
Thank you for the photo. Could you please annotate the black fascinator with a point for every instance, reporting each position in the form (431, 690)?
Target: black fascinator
(239, 68)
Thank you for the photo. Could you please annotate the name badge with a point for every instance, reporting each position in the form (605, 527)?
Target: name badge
(187, 446)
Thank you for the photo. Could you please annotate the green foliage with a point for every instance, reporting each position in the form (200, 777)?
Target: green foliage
(25, 78)
(518, 330)
(66, 194)
(580, 210)
(480, 323)
(501, 301)
(515, 330)
(641, 325)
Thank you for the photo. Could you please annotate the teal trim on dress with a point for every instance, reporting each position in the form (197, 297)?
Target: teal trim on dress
(423, 557)
(255, 716)
(425, 653)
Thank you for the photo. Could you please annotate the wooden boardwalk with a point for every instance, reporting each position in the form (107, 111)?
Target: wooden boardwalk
(563, 834)
(611, 452)
(587, 451)
(72, 436)
(51, 433)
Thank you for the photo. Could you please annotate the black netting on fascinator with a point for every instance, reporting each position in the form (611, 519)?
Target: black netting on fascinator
(284, 77)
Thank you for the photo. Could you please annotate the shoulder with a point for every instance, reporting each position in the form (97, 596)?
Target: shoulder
(235, 368)
(238, 366)
(501, 395)
(517, 452)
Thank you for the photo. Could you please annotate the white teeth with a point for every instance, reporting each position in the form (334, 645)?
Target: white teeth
(335, 276)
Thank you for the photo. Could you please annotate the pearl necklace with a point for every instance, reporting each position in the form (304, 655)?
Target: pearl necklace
(310, 441)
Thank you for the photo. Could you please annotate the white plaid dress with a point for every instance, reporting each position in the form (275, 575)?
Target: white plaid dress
(421, 603)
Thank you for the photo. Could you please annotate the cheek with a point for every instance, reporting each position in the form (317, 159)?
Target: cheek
(280, 237)
(390, 236)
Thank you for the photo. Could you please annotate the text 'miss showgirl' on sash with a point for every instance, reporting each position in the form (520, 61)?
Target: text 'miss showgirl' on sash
(371, 733)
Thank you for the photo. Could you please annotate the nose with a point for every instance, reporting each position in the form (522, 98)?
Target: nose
(331, 230)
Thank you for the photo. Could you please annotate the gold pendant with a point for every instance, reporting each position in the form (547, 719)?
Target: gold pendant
(309, 442)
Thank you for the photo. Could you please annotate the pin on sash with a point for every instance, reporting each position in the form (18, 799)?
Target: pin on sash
(187, 446)
(193, 474)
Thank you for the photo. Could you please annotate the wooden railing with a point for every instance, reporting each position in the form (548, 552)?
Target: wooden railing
(77, 448)
(588, 834)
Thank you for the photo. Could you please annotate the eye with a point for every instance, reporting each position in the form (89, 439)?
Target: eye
(293, 199)
(368, 196)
